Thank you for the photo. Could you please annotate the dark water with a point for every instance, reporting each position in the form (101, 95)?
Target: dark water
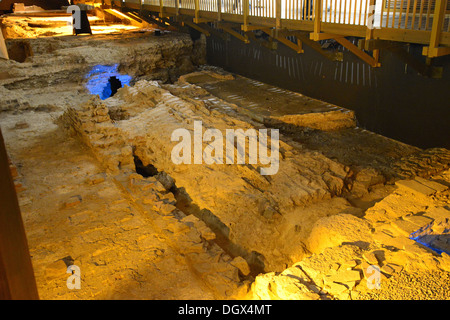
(393, 100)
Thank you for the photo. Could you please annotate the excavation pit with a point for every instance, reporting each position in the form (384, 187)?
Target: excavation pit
(105, 80)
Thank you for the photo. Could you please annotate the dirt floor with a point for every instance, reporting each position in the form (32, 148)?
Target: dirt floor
(98, 188)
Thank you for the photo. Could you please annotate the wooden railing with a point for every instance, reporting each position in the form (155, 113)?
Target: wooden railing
(415, 21)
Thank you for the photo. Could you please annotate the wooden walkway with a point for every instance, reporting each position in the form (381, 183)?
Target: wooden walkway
(423, 22)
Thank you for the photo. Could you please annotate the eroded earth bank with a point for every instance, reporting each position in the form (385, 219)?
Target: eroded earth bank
(98, 188)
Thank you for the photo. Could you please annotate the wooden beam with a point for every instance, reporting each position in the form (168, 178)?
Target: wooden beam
(251, 28)
(322, 36)
(17, 281)
(435, 52)
(151, 20)
(297, 47)
(198, 28)
(374, 44)
(269, 44)
(227, 28)
(304, 37)
(402, 54)
(223, 35)
(359, 53)
(3, 50)
(202, 20)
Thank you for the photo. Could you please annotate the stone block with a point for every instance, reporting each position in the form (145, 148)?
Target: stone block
(432, 184)
(415, 187)
(72, 201)
(345, 276)
(241, 264)
(437, 213)
(370, 257)
(405, 227)
(335, 288)
(418, 220)
(56, 270)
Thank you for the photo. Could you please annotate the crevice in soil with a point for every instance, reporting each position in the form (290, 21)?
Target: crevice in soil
(185, 204)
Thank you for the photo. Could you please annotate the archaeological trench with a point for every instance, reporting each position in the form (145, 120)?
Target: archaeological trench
(98, 188)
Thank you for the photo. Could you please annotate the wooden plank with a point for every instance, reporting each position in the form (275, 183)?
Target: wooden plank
(435, 52)
(322, 36)
(16, 271)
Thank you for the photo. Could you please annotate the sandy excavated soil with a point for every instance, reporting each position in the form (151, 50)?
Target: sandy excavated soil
(98, 189)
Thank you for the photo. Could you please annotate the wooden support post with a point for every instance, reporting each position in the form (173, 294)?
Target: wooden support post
(17, 280)
(177, 7)
(434, 50)
(278, 14)
(161, 8)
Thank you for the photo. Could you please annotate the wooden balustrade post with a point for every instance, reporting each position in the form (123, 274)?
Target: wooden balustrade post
(317, 15)
(371, 20)
(436, 30)
(278, 14)
(245, 12)
(197, 9)
(219, 10)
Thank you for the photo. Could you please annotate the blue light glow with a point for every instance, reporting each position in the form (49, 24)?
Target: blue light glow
(98, 79)
(418, 238)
